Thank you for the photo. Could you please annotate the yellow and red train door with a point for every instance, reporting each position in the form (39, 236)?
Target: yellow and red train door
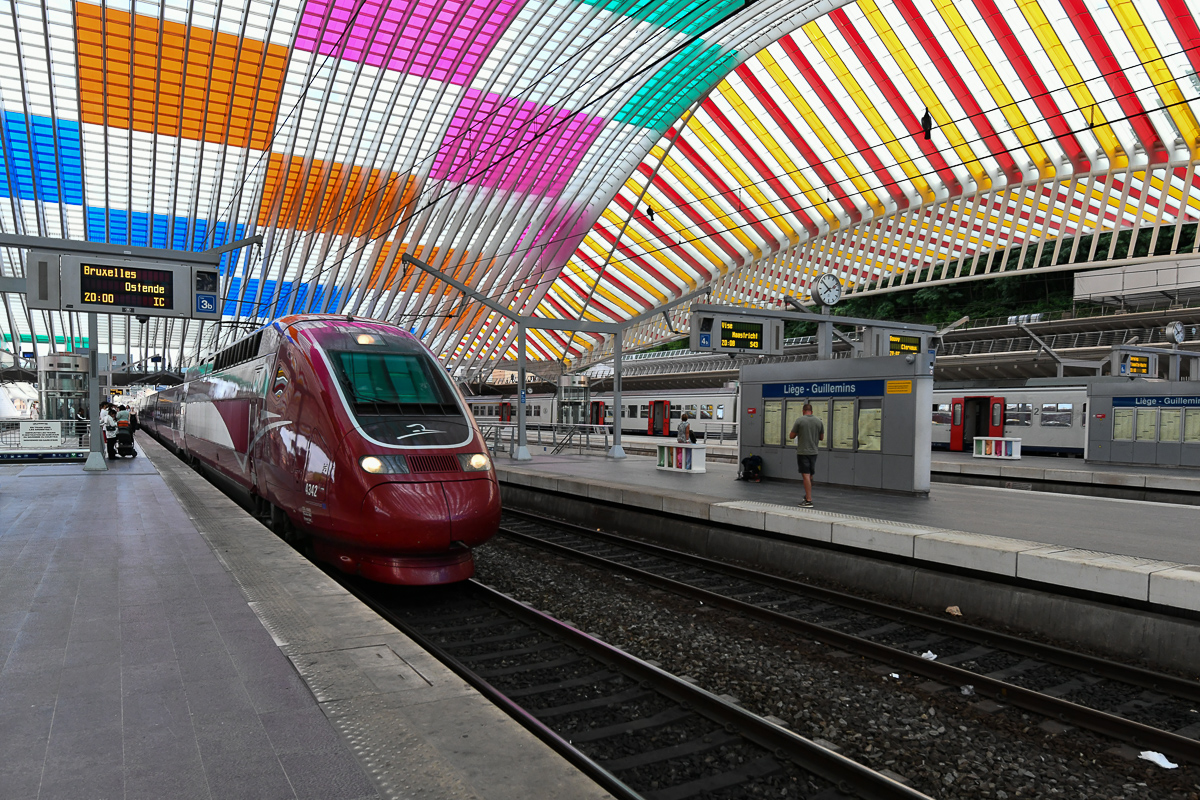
(956, 424)
(597, 415)
(996, 416)
(506, 412)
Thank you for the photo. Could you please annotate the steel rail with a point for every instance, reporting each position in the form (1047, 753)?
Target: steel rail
(847, 775)
(1062, 710)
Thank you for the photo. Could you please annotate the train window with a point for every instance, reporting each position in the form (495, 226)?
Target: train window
(941, 413)
(706, 411)
(720, 412)
(395, 378)
(1057, 415)
(691, 410)
(1018, 414)
(676, 411)
(633, 412)
(645, 412)
(997, 415)
(1122, 424)
(1146, 424)
(870, 425)
(957, 418)
(1191, 425)
(1083, 417)
(1168, 424)
(537, 411)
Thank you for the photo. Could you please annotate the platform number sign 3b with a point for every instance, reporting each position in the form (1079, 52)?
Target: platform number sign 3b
(206, 303)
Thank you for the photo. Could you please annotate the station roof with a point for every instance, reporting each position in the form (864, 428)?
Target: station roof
(582, 160)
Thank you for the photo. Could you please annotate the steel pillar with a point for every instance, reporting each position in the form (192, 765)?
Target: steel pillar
(616, 451)
(95, 459)
(522, 453)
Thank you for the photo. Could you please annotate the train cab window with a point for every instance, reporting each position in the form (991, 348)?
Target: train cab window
(676, 411)
(1057, 415)
(720, 412)
(645, 414)
(706, 411)
(1191, 425)
(941, 413)
(1018, 414)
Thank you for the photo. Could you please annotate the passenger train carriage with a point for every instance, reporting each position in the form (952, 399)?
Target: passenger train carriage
(350, 436)
(1049, 419)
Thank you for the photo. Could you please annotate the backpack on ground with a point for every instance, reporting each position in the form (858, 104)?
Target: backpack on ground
(751, 469)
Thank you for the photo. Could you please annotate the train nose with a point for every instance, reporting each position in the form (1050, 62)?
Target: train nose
(427, 517)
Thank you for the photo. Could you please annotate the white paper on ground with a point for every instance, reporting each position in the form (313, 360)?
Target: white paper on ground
(929, 654)
(1157, 758)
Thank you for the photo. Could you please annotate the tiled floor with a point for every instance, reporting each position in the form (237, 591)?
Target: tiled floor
(130, 663)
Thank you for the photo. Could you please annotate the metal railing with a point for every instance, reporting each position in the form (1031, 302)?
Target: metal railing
(501, 437)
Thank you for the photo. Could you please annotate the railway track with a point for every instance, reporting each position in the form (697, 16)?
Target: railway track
(637, 730)
(1147, 709)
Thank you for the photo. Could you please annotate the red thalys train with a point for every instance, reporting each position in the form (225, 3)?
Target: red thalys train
(349, 436)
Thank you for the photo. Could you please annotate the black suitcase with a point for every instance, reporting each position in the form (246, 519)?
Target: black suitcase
(125, 444)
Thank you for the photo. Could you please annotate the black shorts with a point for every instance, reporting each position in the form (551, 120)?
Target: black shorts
(807, 464)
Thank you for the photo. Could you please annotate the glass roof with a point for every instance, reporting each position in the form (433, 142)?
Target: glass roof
(572, 160)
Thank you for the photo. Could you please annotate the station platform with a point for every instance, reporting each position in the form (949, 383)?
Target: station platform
(158, 642)
(1134, 554)
(1071, 472)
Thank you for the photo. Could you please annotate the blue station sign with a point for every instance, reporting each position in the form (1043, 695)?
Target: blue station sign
(831, 388)
(1156, 402)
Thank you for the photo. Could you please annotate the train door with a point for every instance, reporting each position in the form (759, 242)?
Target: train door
(996, 417)
(660, 418)
(506, 412)
(597, 415)
(971, 417)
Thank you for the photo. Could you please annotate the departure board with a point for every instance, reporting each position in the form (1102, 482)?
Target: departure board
(899, 345)
(126, 287)
(742, 335)
(1139, 365)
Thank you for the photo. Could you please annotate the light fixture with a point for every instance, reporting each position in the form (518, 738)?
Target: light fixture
(366, 338)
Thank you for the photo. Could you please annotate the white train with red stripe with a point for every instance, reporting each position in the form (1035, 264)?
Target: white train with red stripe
(349, 436)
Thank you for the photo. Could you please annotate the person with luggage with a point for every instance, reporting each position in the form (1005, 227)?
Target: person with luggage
(108, 426)
(124, 433)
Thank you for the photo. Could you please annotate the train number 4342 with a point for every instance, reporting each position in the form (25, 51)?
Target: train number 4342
(311, 489)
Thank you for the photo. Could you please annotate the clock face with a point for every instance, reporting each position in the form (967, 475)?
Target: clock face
(827, 290)
(1176, 333)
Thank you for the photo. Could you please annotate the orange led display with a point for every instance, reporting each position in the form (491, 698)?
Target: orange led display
(325, 196)
(152, 75)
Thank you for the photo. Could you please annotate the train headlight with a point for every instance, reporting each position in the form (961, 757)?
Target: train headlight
(475, 462)
(384, 465)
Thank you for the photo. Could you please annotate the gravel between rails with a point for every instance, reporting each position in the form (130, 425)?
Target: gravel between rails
(948, 745)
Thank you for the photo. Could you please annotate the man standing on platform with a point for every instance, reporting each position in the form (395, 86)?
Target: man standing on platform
(808, 431)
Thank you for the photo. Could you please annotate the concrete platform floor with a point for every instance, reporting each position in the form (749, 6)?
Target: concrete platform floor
(130, 663)
(1163, 531)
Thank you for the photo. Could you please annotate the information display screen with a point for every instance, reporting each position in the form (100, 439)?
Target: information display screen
(741, 335)
(128, 287)
(1139, 365)
(899, 345)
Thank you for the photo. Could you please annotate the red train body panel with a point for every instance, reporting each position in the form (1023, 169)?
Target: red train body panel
(354, 431)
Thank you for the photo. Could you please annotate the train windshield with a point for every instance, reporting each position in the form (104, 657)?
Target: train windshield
(401, 397)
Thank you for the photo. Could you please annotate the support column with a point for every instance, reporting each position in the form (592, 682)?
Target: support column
(522, 453)
(616, 451)
(95, 459)
(824, 337)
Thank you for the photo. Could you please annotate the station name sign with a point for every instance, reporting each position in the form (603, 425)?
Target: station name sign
(871, 388)
(1156, 402)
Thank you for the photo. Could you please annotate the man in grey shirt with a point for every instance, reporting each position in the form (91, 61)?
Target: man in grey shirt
(808, 431)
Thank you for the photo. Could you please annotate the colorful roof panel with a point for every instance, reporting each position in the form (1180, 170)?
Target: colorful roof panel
(590, 160)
